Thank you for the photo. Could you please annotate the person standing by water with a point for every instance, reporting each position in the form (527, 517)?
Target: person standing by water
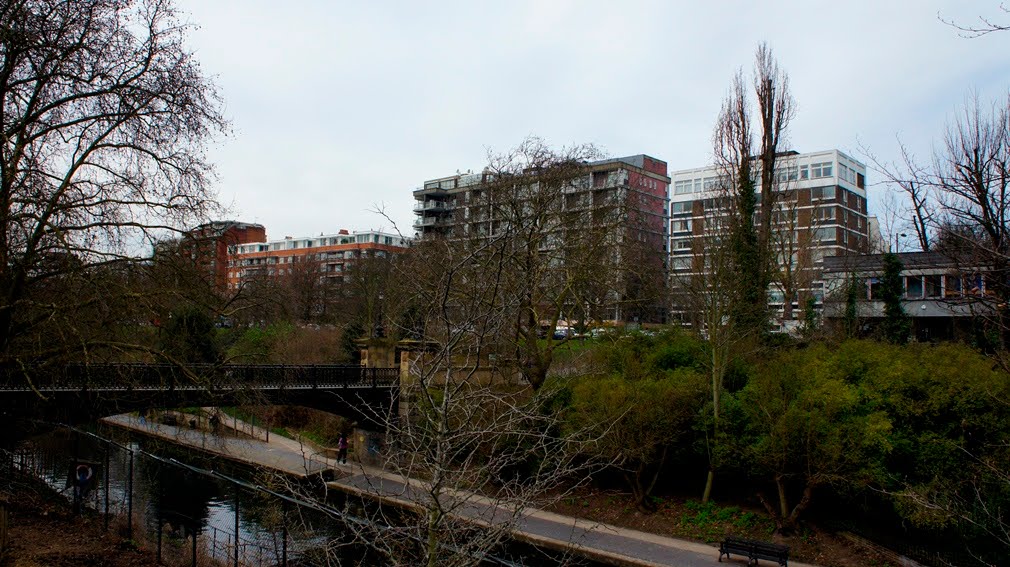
(342, 449)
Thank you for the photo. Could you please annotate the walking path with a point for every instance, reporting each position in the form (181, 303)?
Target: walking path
(603, 542)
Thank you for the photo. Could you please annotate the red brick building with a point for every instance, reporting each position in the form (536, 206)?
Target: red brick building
(208, 245)
(330, 255)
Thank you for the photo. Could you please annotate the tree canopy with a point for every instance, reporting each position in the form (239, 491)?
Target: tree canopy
(105, 117)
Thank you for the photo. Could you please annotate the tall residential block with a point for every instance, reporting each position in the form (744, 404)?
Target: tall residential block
(820, 211)
(456, 206)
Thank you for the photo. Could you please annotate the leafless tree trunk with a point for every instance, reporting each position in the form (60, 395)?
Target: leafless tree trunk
(776, 109)
(744, 174)
(971, 175)
(708, 293)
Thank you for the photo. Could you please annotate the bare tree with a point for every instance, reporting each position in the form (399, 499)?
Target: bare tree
(743, 173)
(559, 243)
(776, 109)
(104, 118)
(472, 446)
(794, 240)
(707, 294)
(911, 179)
(971, 175)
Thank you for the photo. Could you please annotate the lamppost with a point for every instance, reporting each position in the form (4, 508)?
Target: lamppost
(896, 237)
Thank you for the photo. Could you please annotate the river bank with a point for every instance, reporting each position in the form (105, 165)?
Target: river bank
(44, 532)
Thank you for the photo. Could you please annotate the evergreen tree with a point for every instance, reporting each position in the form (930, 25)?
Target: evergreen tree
(896, 326)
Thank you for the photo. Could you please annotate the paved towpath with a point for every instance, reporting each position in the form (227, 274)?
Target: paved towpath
(293, 459)
(603, 542)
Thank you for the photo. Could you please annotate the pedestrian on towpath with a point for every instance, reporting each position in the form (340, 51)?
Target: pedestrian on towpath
(342, 449)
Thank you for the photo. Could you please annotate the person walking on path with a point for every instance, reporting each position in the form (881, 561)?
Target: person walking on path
(342, 449)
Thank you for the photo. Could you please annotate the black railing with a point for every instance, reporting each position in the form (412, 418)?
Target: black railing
(138, 376)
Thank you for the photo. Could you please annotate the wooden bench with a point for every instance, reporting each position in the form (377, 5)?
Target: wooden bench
(754, 550)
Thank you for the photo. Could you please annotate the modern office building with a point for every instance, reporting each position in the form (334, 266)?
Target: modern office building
(329, 255)
(636, 187)
(820, 211)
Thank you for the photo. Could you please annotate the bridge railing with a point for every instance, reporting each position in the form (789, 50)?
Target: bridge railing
(139, 376)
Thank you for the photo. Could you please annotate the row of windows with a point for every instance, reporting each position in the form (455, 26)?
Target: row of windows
(697, 185)
(649, 183)
(935, 286)
(293, 259)
(821, 236)
(317, 242)
(827, 193)
(784, 174)
(847, 173)
(344, 278)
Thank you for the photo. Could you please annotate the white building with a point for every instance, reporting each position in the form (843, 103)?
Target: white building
(821, 207)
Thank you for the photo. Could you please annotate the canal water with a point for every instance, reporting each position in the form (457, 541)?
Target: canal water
(178, 494)
(173, 489)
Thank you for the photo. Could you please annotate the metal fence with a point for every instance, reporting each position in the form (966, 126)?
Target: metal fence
(114, 492)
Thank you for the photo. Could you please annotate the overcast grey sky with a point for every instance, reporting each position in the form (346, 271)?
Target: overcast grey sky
(339, 108)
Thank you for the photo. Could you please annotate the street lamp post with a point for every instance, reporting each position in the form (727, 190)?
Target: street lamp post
(896, 237)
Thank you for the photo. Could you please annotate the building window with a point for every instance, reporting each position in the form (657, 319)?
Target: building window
(804, 172)
(818, 193)
(818, 170)
(681, 225)
(825, 235)
(913, 287)
(788, 173)
(683, 207)
(952, 286)
(874, 287)
(934, 285)
(679, 188)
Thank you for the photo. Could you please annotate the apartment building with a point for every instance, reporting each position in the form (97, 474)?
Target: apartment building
(635, 187)
(208, 245)
(820, 212)
(329, 255)
(442, 205)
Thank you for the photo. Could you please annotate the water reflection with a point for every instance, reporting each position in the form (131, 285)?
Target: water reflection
(180, 501)
(171, 498)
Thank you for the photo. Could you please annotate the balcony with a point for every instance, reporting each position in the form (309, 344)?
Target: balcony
(425, 222)
(430, 205)
(429, 190)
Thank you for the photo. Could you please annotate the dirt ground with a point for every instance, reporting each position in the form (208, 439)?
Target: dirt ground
(44, 533)
(691, 520)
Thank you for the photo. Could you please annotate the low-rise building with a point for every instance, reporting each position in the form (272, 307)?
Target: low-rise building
(940, 297)
(328, 255)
